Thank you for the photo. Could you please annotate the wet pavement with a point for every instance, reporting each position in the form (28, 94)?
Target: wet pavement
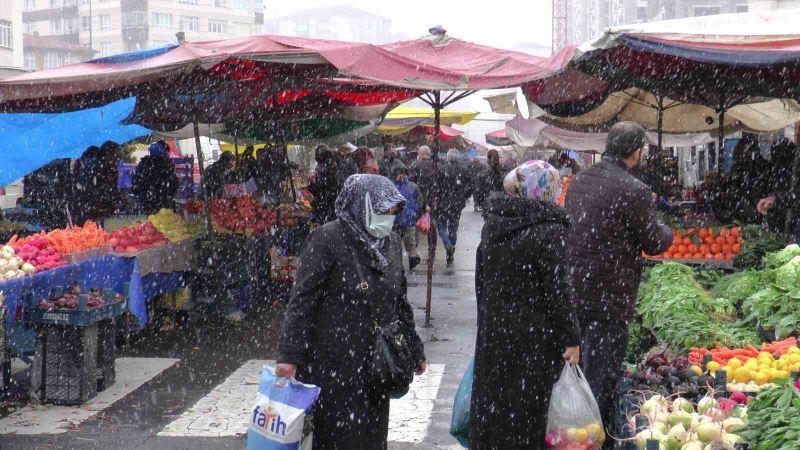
(188, 389)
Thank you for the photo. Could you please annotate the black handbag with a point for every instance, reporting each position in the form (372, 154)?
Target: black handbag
(392, 366)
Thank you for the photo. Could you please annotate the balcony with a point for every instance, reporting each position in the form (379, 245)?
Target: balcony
(41, 15)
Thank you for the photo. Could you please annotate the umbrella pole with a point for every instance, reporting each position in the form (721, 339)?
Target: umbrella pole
(660, 177)
(437, 108)
(721, 137)
(202, 169)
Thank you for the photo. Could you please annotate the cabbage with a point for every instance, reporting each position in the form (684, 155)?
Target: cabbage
(777, 259)
(787, 277)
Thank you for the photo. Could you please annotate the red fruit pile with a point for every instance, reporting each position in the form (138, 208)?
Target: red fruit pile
(40, 254)
(136, 238)
(242, 215)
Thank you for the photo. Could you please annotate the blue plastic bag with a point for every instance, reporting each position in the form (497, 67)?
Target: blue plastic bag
(459, 423)
(276, 422)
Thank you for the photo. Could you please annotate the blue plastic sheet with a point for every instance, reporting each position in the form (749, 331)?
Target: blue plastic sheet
(107, 271)
(33, 140)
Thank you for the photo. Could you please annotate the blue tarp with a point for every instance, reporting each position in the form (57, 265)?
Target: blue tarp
(108, 271)
(33, 140)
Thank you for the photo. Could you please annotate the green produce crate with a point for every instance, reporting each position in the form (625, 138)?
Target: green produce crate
(80, 317)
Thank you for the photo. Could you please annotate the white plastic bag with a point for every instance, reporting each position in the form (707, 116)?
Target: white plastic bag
(573, 419)
(278, 416)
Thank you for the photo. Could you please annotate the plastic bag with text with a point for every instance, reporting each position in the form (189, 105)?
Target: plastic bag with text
(573, 420)
(276, 421)
(424, 223)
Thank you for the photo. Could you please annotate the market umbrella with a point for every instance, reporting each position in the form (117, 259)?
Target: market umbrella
(749, 59)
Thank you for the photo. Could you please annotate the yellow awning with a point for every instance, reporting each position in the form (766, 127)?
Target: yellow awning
(446, 117)
(239, 148)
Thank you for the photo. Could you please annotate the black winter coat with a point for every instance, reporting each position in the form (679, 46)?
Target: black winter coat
(614, 221)
(155, 183)
(486, 180)
(424, 173)
(328, 333)
(456, 187)
(325, 187)
(526, 319)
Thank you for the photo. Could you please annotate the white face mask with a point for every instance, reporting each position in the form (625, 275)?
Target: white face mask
(378, 225)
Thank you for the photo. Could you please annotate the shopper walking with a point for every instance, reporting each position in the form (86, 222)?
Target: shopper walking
(155, 182)
(613, 222)
(328, 330)
(527, 325)
(391, 161)
(365, 161)
(488, 179)
(406, 222)
(455, 191)
(324, 186)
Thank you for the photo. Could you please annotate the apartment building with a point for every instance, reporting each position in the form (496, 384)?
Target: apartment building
(577, 21)
(343, 23)
(10, 34)
(61, 32)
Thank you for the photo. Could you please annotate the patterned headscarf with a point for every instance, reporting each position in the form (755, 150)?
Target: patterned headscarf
(535, 180)
(358, 192)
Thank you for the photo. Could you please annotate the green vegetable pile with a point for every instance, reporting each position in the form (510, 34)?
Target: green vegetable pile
(773, 420)
(757, 242)
(682, 314)
(777, 305)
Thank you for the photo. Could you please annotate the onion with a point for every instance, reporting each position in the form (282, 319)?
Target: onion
(692, 445)
(705, 403)
(709, 432)
(649, 433)
(732, 424)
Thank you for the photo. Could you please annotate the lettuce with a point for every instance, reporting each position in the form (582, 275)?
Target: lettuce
(778, 259)
(787, 277)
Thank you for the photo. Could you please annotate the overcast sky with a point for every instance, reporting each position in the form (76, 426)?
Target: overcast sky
(498, 23)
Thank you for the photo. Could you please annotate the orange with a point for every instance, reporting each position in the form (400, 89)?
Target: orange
(726, 248)
(697, 256)
(678, 256)
(672, 248)
(691, 248)
(716, 248)
(667, 255)
(719, 256)
(720, 240)
(735, 231)
(704, 248)
(731, 240)
(687, 241)
(710, 240)
(703, 233)
(682, 248)
(737, 248)
(724, 232)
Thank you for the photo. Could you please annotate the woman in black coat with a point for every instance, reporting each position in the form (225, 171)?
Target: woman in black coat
(324, 186)
(526, 320)
(327, 333)
(155, 182)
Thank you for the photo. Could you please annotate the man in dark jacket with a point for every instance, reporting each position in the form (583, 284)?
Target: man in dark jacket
(488, 179)
(455, 190)
(324, 186)
(390, 162)
(613, 222)
(155, 182)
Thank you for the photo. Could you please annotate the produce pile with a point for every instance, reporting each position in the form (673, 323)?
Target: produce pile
(12, 266)
(657, 374)
(776, 305)
(681, 314)
(78, 239)
(773, 419)
(242, 215)
(757, 243)
(704, 243)
(590, 437)
(39, 254)
(136, 238)
(679, 424)
(71, 299)
(748, 369)
(171, 225)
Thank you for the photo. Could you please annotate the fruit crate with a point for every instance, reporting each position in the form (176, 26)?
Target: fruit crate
(82, 316)
(64, 370)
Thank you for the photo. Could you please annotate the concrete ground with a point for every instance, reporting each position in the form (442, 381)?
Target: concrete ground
(189, 389)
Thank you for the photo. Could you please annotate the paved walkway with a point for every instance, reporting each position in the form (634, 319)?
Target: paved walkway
(189, 389)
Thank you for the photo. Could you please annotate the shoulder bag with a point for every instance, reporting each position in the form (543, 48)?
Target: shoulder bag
(392, 365)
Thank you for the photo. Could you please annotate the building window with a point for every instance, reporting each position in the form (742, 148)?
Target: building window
(30, 61)
(53, 60)
(189, 23)
(218, 26)
(30, 4)
(134, 19)
(105, 49)
(237, 4)
(56, 26)
(105, 22)
(86, 23)
(161, 20)
(742, 8)
(70, 26)
(220, 4)
(6, 37)
(705, 10)
(30, 27)
(188, 2)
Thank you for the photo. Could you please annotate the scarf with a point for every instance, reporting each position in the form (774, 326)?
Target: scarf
(535, 179)
(359, 192)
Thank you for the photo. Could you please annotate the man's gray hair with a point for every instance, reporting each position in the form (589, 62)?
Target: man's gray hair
(624, 138)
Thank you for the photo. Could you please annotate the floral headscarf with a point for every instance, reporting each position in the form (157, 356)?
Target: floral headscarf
(535, 180)
(359, 192)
